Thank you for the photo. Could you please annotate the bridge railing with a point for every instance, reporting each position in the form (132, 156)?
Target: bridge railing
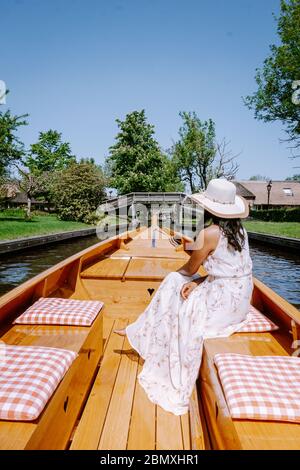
(146, 198)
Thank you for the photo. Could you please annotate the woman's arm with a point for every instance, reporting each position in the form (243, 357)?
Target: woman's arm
(207, 241)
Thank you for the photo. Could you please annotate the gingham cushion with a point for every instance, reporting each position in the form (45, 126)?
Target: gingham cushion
(56, 311)
(28, 377)
(261, 387)
(257, 322)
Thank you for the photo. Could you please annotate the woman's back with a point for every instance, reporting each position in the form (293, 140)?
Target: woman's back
(225, 261)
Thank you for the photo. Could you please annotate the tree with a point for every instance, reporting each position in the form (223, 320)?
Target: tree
(90, 160)
(30, 185)
(49, 153)
(259, 178)
(293, 178)
(135, 162)
(11, 148)
(275, 98)
(197, 155)
(77, 191)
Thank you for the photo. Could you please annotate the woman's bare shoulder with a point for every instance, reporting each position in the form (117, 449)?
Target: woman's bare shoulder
(209, 236)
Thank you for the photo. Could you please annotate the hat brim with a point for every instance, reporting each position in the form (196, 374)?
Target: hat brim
(238, 210)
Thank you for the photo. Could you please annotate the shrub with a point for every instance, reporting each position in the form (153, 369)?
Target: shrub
(277, 215)
(77, 192)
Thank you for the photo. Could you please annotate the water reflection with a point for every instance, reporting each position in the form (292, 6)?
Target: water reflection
(16, 268)
(279, 269)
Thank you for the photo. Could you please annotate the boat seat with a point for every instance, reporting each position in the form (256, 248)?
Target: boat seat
(118, 414)
(228, 433)
(106, 268)
(53, 428)
(261, 387)
(132, 267)
(151, 268)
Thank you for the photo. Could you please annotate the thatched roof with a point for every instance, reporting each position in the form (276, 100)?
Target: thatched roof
(283, 193)
(21, 198)
(10, 189)
(242, 191)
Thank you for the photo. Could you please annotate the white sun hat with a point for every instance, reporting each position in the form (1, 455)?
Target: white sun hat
(220, 199)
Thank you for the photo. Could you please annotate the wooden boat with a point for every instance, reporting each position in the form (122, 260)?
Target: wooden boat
(98, 404)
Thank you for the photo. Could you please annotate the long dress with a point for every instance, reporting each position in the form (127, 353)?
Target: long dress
(169, 334)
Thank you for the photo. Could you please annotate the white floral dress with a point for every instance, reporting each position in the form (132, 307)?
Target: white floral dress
(169, 334)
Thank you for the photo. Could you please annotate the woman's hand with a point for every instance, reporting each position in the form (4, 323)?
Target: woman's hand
(187, 288)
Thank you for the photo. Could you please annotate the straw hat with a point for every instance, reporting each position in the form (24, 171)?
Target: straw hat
(220, 199)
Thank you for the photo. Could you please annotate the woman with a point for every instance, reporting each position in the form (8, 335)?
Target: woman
(187, 308)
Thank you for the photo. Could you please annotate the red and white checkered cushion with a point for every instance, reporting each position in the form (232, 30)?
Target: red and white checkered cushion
(56, 311)
(257, 322)
(261, 387)
(28, 377)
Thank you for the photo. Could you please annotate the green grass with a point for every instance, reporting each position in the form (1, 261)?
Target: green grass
(285, 229)
(13, 225)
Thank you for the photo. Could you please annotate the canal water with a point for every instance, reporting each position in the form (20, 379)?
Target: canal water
(279, 269)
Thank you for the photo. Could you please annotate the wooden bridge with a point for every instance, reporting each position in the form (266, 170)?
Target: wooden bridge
(145, 198)
(164, 202)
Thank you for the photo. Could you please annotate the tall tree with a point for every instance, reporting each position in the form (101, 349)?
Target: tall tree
(49, 154)
(197, 155)
(11, 148)
(278, 85)
(135, 162)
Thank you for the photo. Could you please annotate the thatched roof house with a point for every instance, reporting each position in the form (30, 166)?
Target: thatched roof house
(13, 196)
(9, 190)
(282, 193)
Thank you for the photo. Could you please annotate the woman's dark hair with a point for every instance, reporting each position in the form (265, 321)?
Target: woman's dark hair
(231, 228)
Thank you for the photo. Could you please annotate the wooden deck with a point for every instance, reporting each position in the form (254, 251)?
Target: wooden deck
(118, 414)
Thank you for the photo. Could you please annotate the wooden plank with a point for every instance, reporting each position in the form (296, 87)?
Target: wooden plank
(147, 268)
(186, 431)
(143, 245)
(168, 431)
(144, 251)
(108, 268)
(14, 435)
(197, 439)
(122, 299)
(276, 305)
(262, 435)
(116, 427)
(222, 432)
(88, 433)
(142, 426)
(108, 325)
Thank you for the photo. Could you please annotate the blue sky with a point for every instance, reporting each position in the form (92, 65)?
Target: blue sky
(77, 65)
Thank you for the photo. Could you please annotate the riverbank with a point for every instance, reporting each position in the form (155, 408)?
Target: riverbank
(9, 246)
(13, 225)
(285, 243)
(282, 229)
